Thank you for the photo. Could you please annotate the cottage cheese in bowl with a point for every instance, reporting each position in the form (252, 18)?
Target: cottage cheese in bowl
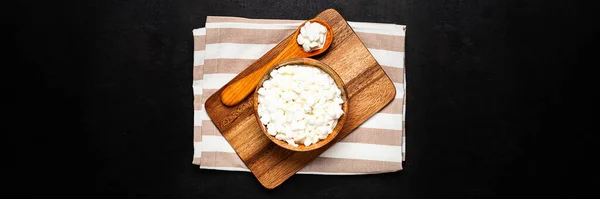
(299, 104)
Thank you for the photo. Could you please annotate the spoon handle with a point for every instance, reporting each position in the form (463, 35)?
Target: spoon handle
(237, 91)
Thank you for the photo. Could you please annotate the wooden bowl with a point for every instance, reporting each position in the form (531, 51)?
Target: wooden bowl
(338, 82)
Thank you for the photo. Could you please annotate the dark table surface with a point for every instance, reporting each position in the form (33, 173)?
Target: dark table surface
(109, 110)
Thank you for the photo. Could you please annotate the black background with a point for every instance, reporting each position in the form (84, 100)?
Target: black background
(101, 103)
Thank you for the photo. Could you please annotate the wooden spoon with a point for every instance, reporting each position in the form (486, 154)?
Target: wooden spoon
(238, 91)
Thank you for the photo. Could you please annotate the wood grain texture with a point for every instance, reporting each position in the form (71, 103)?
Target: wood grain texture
(338, 81)
(368, 88)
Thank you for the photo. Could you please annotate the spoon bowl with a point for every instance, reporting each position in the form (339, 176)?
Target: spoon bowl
(328, 39)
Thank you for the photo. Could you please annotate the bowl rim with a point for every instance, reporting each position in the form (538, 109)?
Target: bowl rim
(337, 79)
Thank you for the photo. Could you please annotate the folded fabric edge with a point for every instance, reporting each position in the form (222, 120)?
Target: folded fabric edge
(300, 172)
(229, 22)
(232, 19)
(199, 31)
(404, 103)
(197, 145)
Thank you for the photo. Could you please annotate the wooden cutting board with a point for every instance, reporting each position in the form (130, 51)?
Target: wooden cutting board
(369, 90)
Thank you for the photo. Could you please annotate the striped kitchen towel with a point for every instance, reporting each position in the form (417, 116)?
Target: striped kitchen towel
(227, 45)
